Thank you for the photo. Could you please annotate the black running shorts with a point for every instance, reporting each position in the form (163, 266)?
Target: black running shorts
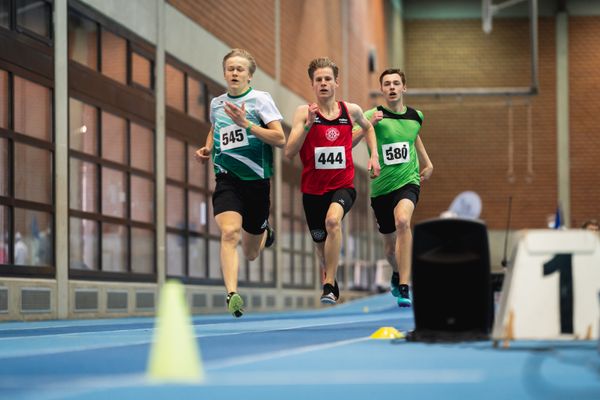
(384, 205)
(316, 206)
(250, 199)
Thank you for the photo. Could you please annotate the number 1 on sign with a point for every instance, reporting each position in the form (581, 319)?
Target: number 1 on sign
(562, 263)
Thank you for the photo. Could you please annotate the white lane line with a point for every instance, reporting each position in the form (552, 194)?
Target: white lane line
(32, 352)
(236, 361)
(234, 325)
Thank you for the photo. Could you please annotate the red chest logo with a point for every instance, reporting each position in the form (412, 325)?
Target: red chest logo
(332, 134)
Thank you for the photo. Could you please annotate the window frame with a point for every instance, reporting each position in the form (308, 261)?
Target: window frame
(10, 201)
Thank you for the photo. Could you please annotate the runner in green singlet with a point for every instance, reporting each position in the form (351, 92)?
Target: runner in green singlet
(404, 166)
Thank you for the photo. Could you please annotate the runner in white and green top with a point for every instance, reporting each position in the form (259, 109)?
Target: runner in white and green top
(245, 126)
(404, 166)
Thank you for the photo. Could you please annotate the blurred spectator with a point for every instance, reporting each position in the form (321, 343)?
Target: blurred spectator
(21, 250)
(591, 225)
(44, 250)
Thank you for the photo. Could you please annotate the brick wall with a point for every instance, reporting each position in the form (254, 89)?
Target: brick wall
(310, 29)
(468, 139)
(584, 105)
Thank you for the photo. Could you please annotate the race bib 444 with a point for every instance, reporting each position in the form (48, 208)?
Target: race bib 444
(333, 157)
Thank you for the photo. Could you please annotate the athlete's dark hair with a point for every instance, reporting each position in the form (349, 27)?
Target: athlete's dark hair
(391, 71)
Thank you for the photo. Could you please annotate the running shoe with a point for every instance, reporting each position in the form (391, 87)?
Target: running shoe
(235, 304)
(270, 236)
(336, 290)
(404, 298)
(395, 284)
(328, 296)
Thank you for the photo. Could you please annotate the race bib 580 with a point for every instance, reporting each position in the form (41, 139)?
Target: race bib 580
(395, 153)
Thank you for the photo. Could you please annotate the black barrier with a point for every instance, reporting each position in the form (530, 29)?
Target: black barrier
(452, 296)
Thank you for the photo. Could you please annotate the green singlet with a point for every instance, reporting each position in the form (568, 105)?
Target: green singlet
(396, 135)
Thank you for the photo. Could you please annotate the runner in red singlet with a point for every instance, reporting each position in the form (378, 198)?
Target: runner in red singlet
(322, 134)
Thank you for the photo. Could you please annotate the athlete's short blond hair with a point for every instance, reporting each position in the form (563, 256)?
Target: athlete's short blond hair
(241, 53)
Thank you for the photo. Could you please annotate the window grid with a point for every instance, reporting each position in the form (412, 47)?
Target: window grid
(105, 221)
(28, 220)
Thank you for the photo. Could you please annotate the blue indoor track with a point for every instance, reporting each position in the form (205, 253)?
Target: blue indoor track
(317, 354)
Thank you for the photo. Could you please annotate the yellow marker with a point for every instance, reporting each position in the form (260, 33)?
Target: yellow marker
(387, 332)
(365, 309)
(174, 355)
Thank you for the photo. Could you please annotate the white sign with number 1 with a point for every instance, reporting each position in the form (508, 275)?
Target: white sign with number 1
(551, 289)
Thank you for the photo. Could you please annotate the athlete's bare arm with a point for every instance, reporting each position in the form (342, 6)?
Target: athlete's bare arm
(424, 161)
(358, 117)
(203, 153)
(303, 120)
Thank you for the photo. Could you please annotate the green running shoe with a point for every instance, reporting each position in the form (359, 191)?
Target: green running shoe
(235, 304)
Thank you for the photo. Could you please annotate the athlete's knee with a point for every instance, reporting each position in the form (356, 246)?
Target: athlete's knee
(332, 224)
(230, 234)
(402, 224)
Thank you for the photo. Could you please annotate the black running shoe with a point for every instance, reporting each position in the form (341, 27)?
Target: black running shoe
(404, 298)
(328, 296)
(336, 290)
(270, 236)
(235, 304)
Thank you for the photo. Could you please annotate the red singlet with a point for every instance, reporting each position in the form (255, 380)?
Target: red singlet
(326, 154)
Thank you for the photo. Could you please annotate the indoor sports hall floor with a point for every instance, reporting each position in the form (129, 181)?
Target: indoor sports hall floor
(320, 354)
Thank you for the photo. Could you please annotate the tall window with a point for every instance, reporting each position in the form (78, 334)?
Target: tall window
(111, 188)
(112, 177)
(26, 177)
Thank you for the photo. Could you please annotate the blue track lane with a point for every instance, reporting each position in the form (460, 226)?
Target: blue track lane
(320, 354)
